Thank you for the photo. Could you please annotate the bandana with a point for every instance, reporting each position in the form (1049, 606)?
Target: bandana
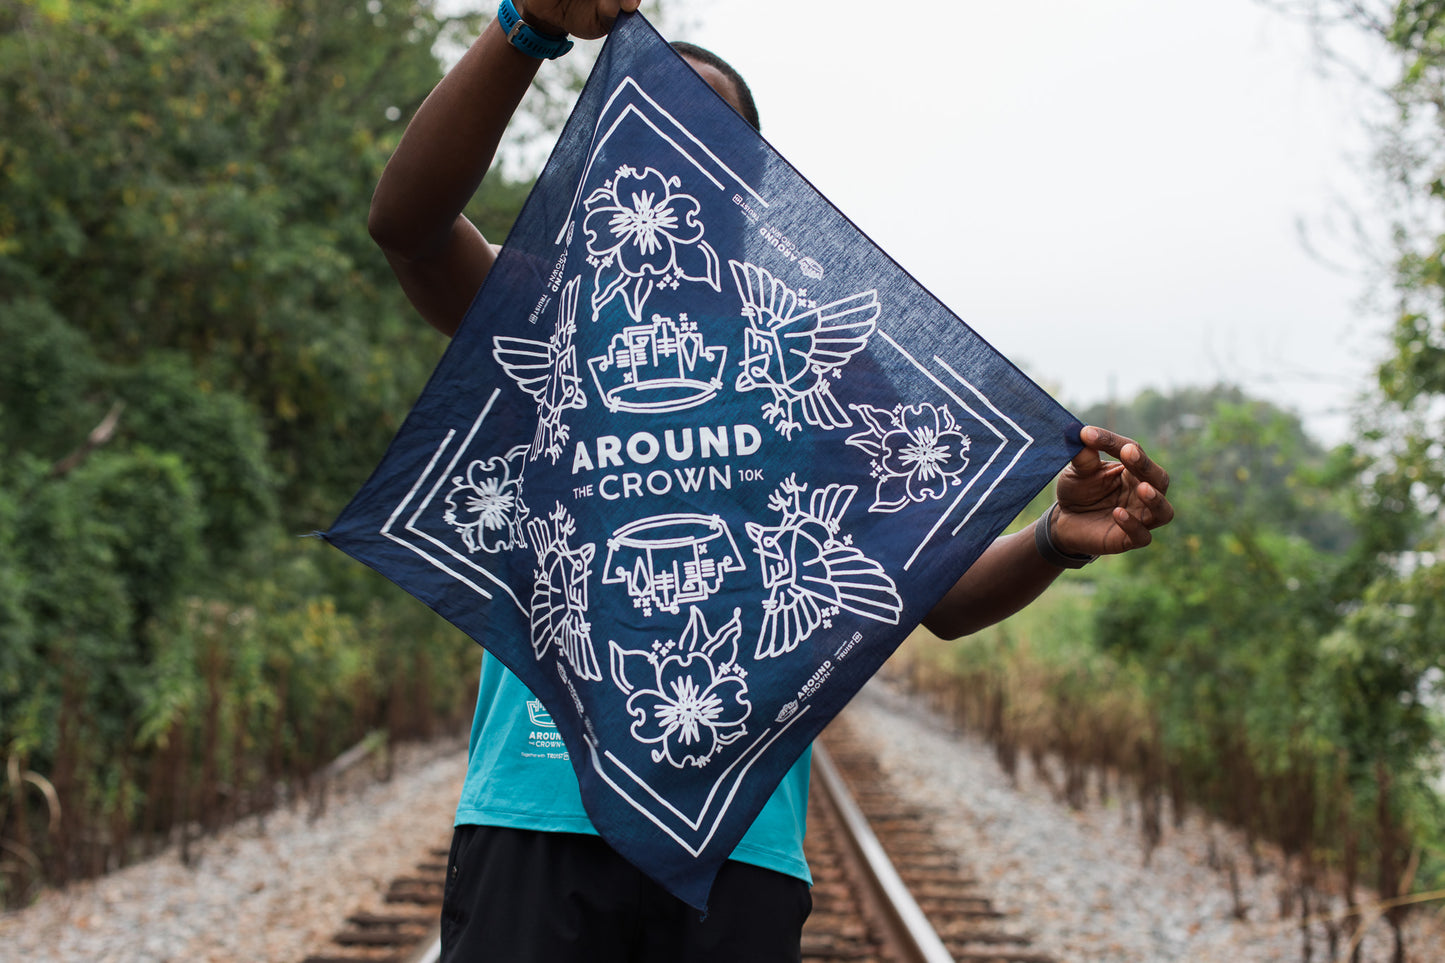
(698, 459)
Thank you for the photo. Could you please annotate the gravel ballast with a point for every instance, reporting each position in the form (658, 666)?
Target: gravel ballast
(1079, 878)
(272, 889)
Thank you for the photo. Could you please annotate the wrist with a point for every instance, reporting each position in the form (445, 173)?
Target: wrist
(1048, 550)
(535, 38)
(540, 24)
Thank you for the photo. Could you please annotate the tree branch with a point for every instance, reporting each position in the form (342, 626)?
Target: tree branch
(99, 435)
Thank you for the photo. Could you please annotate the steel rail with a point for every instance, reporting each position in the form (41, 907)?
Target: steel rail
(430, 953)
(885, 897)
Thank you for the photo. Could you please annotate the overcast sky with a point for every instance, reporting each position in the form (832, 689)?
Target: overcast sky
(1110, 192)
(1115, 193)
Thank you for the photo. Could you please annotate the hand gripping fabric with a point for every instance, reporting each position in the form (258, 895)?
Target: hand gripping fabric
(699, 458)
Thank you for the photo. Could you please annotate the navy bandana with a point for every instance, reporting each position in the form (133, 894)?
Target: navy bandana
(697, 461)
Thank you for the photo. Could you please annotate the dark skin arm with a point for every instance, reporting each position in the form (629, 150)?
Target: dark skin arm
(441, 260)
(1105, 508)
(439, 256)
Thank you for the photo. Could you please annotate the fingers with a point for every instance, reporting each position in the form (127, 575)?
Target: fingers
(1138, 483)
(1087, 459)
(1129, 452)
(1161, 512)
(1136, 532)
(607, 10)
(584, 19)
(1148, 509)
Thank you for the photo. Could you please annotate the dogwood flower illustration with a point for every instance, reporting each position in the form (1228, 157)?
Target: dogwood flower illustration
(485, 507)
(643, 234)
(918, 451)
(691, 699)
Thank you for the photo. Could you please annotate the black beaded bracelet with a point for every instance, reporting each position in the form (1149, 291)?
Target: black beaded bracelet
(1044, 542)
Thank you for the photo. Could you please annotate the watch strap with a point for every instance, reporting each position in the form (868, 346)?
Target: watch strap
(526, 38)
(1044, 542)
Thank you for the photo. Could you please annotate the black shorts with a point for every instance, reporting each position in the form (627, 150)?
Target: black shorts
(514, 896)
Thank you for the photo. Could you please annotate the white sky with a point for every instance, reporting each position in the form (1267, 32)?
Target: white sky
(1108, 191)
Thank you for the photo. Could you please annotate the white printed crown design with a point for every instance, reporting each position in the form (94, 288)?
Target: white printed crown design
(662, 366)
(672, 560)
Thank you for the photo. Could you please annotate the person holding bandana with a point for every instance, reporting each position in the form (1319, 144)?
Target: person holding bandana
(528, 879)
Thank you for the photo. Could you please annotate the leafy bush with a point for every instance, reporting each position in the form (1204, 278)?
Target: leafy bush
(204, 354)
(1259, 661)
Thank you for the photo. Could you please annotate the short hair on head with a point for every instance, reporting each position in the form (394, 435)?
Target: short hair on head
(740, 86)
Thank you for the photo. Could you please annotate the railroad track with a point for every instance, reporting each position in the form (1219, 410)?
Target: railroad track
(883, 891)
(943, 914)
(403, 929)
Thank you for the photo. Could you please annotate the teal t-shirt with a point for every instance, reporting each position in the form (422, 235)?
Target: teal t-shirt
(519, 777)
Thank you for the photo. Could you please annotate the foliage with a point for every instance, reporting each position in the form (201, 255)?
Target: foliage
(1251, 460)
(1408, 440)
(1265, 659)
(204, 355)
(1261, 624)
(1225, 612)
(1389, 652)
(194, 177)
(47, 371)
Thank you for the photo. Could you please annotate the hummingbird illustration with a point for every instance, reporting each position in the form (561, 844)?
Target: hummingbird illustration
(811, 572)
(792, 347)
(559, 593)
(547, 370)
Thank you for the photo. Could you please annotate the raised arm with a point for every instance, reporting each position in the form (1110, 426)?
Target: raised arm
(1104, 508)
(416, 217)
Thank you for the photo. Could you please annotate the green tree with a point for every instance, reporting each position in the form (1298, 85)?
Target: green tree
(204, 355)
(1391, 651)
(1227, 608)
(194, 177)
(1238, 621)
